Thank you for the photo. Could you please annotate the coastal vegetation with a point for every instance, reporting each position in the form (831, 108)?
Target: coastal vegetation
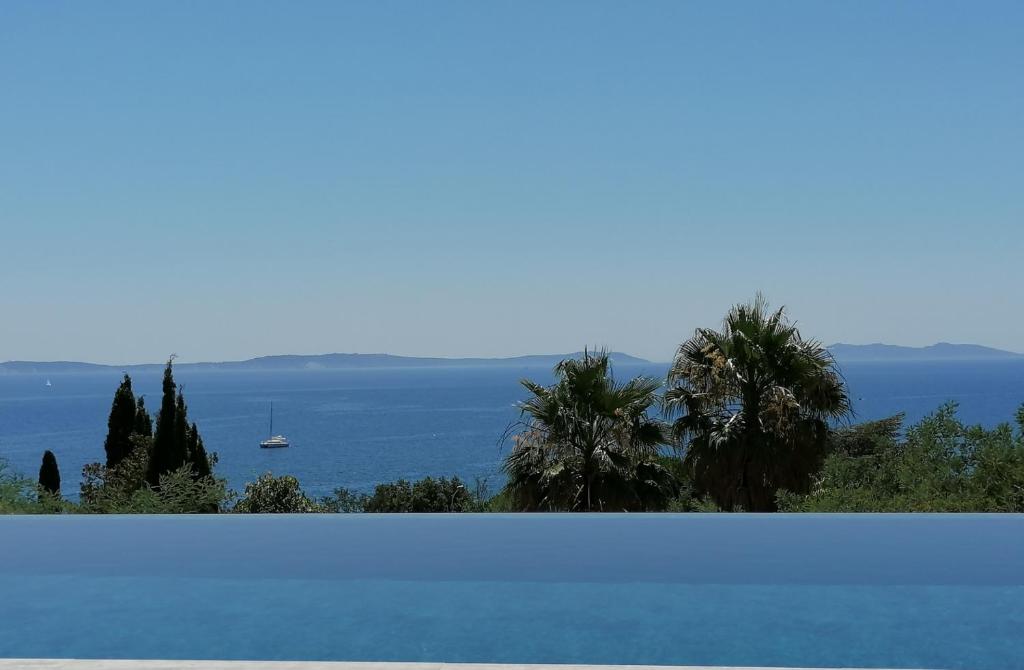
(588, 443)
(166, 471)
(18, 495)
(270, 494)
(753, 417)
(937, 465)
(275, 495)
(753, 403)
(426, 495)
(49, 475)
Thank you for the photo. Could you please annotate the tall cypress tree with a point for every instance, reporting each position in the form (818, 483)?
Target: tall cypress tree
(143, 423)
(197, 454)
(49, 474)
(181, 436)
(169, 451)
(189, 439)
(175, 442)
(120, 424)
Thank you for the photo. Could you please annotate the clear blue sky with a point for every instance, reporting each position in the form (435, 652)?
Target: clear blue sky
(228, 179)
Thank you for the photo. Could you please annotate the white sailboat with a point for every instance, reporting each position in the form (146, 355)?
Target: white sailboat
(274, 441)
(48, 384)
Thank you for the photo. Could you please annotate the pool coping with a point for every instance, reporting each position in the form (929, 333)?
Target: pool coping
(128, 664)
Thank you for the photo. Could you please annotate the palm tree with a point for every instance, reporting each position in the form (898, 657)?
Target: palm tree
(588, 443)
(753, 406)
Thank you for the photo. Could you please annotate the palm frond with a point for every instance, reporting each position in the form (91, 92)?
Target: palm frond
(750, 405)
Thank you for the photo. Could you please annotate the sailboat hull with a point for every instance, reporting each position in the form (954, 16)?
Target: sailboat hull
(274, 441)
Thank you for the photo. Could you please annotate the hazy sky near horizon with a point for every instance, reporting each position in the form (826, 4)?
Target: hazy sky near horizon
(230, 179)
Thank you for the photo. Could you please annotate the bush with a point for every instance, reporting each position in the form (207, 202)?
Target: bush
(17, 494)
(104, 489)
(275, 495)
(941, 465)
(344, 501)
(425, 495)
(122, 489)
(180, 492)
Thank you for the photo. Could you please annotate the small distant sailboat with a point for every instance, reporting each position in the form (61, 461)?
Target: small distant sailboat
(48, 384)
(274, 441)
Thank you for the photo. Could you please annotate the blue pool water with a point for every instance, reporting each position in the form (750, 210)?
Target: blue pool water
(871, 591)
(356, 428)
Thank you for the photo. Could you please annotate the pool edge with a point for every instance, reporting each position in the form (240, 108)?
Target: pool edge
(131, 664)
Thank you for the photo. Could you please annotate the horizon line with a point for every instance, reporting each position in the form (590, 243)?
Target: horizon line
(320, 355)
(460, 358)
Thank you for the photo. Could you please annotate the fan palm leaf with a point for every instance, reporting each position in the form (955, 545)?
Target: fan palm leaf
(584, 441)
(752, 404)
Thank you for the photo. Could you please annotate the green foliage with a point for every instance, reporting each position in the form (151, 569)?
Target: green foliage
(17, 494)
(502, 503)
(344, 501)
(197, 455)
(753, 404)
(20, 495)
(686, 498)
(690, 503)
(123, 489)
(940, 465)
(179, 492)
(168, 452)
(49, 475)
(588, 443)
(867, 438)
(106, 489)
(50, 503)
(425, 495)
(143, 422)
(121, 423)
(275, 495)
(176, 443)
(181, 428)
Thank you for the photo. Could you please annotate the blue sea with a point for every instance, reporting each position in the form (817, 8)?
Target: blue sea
(356, 428)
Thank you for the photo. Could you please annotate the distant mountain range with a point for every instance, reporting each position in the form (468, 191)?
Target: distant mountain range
(943, 351)
(844, 353)
(316, 362)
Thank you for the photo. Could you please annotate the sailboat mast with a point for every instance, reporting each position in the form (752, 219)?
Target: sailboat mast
(271, 419)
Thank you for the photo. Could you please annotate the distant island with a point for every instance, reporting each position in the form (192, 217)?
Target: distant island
(942, 351)
(314, 362)
(844, 353)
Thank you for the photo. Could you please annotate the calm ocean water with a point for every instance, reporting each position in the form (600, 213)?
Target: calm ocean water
(355, 428)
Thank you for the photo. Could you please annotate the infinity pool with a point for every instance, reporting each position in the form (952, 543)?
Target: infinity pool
(775, 590)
